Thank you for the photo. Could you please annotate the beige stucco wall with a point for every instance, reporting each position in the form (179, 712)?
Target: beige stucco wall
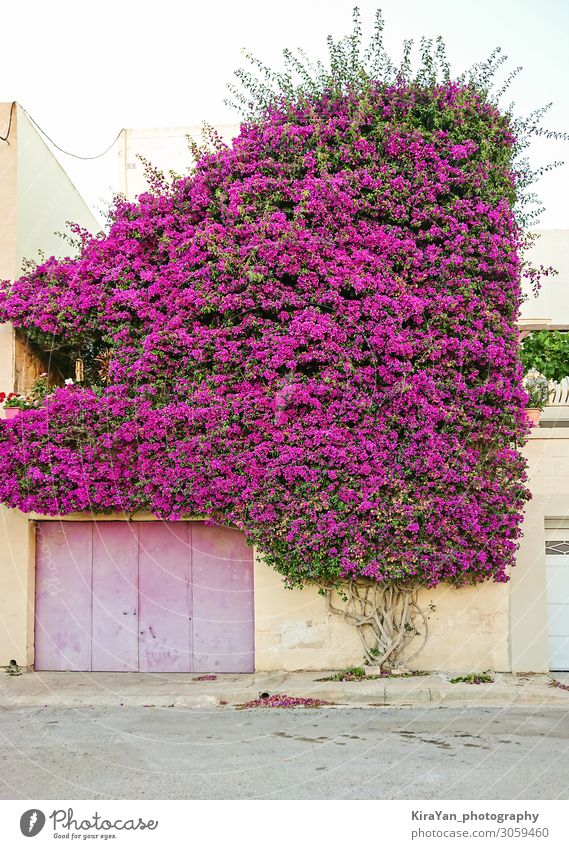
(14, 590)
(17, 588)
(46, 199)
(166, 148)
(552, 301)
(492, 626)
(547, 451)
(8, 192)
(36, 200)
(293, 629)
(467, 629)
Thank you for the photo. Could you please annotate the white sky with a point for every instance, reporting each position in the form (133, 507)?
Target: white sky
(84, 70)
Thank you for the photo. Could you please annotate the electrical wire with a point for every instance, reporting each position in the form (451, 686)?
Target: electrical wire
(67, 152)
(7, 136)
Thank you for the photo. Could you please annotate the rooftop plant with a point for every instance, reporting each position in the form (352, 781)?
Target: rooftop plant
(546, 352)
(537, 388)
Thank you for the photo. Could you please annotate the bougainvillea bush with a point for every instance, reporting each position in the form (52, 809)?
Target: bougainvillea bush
(312, 338)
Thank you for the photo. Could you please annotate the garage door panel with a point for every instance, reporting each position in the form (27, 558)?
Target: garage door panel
(558, 620)
(559, 653)
(63, 596)
(115, 597)
(557, 579)
(153, 596)
(164, 597)
(223, 618)
(558, 584)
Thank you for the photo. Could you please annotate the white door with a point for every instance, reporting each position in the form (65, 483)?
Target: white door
(557, 575)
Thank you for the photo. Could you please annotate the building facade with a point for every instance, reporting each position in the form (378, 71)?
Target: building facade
(133, 593)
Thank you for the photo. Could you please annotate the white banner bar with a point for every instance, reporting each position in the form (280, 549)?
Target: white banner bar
(290, 824)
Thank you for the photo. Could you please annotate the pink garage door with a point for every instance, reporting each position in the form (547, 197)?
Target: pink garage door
(143, 596)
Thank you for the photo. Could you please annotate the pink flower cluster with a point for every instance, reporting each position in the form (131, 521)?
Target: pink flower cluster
(283, 701)
(313, 339)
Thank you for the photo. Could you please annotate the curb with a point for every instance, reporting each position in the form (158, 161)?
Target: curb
(383, 697)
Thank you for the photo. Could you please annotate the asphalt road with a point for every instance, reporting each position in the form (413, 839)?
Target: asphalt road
(223, 753)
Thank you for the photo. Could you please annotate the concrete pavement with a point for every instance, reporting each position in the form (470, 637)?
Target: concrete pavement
(108, 689)
(484, 752)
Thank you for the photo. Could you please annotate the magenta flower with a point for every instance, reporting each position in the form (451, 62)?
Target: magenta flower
(313, 338)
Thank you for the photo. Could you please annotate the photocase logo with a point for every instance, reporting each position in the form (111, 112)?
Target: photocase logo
(32, 822)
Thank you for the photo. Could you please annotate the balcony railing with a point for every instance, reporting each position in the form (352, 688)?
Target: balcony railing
(559, 393)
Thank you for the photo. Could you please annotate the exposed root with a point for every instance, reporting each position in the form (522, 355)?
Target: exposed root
(387, 617)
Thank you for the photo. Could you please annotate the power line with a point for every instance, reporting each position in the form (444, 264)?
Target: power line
(7, 136)
(67, 152)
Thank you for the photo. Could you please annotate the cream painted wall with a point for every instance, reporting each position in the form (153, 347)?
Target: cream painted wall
(467, 629)
(547, 452)
(17, 588)
(166, 148)
(36, 199)
(46, 199)
(491, 626)
(8, 207)
(552, 301)
(293, 630)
